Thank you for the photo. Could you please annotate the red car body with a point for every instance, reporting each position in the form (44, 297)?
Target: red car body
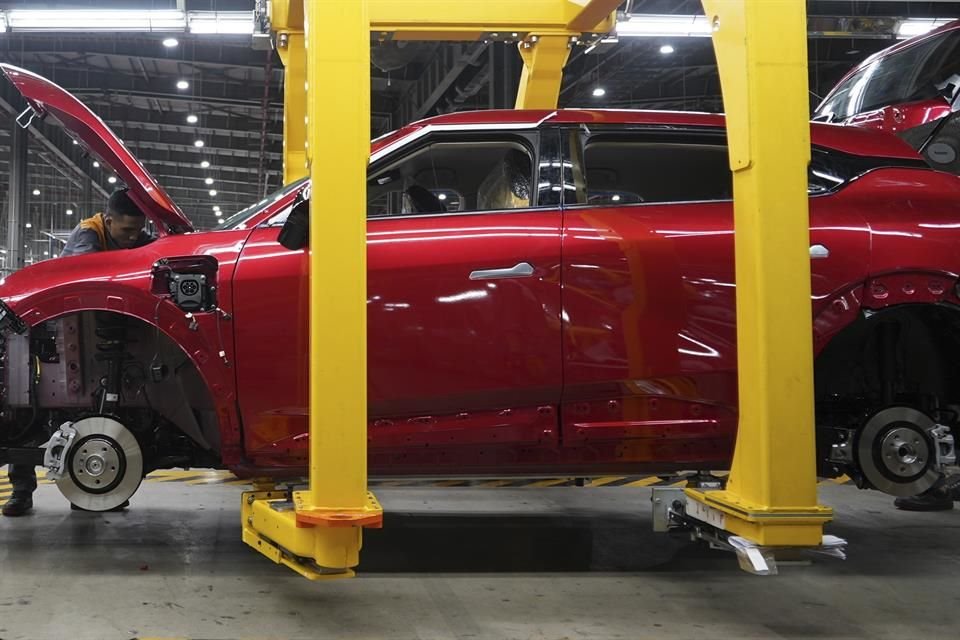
(906, 89)
(615, 354)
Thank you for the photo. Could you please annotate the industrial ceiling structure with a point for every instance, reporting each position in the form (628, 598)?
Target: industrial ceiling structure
(203, 111)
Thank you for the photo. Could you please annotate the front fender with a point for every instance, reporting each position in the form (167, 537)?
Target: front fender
(206, 338)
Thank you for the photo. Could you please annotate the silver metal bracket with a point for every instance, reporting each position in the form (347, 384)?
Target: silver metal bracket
(674, 512)
(55, 450)
(842, 452)
(29, 111)
(944, 447)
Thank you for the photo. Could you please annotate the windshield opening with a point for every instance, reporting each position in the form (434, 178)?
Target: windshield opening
(239, 219)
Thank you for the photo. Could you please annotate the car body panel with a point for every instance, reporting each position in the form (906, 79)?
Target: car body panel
(48, 99)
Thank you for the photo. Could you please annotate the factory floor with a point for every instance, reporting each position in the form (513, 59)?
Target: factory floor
(466, 562)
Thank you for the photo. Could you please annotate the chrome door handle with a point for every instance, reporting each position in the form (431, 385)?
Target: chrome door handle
(522, 270)
(818, 252)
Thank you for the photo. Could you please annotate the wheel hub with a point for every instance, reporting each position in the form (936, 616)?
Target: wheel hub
(894, 452)
(104, 465)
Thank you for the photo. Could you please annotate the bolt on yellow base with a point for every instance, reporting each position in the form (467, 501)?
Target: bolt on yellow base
(771, 494)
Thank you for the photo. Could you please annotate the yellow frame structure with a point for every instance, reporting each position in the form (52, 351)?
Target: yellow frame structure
(761, 48)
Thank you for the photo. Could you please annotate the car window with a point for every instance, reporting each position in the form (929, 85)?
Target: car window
(625, 170)
(447, 177)
(920, 72)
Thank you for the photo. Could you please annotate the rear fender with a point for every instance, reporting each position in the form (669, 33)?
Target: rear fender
(206, 338)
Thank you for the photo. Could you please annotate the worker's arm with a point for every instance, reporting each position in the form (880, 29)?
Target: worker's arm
(81, 241)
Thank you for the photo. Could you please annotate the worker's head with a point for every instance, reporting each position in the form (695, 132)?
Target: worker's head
(123, 219)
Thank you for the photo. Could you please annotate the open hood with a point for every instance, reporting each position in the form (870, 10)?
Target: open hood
(49, 100)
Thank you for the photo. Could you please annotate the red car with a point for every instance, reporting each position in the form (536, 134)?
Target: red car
(911, 89)
(549, 293)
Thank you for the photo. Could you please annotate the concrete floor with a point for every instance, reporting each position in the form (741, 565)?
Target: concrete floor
(550, 563)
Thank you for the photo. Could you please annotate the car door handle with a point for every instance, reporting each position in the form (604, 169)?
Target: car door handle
(818, 252)
(522, 270)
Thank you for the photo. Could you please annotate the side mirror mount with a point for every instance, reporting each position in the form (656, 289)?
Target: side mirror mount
(295, 234)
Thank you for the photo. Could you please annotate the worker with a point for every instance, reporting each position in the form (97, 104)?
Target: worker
(120, 227)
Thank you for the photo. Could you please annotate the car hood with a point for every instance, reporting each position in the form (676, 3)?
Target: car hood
(53, 102)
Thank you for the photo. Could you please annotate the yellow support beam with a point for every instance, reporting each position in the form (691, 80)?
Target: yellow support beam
(474, 19)
(326, 521)
(543, 60)
(290, 46)
(771, 495)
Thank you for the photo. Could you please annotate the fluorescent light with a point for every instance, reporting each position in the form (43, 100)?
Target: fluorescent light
(221, 22)
(198, 143)
(918, 26)
(208, 181)
(204, 164)
(111, 180)
(599, 92)
(213, 193)
(69, 212)
(36, 192)
(170, 42)
(667, 49)
(95, 20)
(665, 25)
(192, 119)
(183, 85)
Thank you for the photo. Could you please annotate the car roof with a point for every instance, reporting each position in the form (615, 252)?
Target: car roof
(852, 140)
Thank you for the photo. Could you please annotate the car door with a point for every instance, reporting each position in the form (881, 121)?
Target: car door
(463, 300)
(649, 303)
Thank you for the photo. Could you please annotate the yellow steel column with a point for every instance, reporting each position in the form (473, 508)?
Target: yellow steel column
(286, 19)
(290, 48)
(771, 496)
(544, 57)
(325, 523)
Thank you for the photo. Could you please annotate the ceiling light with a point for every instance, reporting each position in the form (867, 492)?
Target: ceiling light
(213, 192)
(667, 49)
(29, 225)
(665, 25)
(75, 142)
(441, 196)
(69, 212)
(95, 20)
(96, 165)
(216, 208)
(170, 42)
(198, 143)
(36, 192)
(111, 180)
(183, 84)
(208, 181)
(204, 164)
(918, 26)
(599, 92)
(46, 253)
(616, 197)
(192, 119)
(221, 22)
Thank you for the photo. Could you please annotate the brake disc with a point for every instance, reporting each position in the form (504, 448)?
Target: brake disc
(895, 452)
(104, 465)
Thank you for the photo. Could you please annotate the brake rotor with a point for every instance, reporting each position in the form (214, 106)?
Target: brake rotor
(104, 465)
(895, 452)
